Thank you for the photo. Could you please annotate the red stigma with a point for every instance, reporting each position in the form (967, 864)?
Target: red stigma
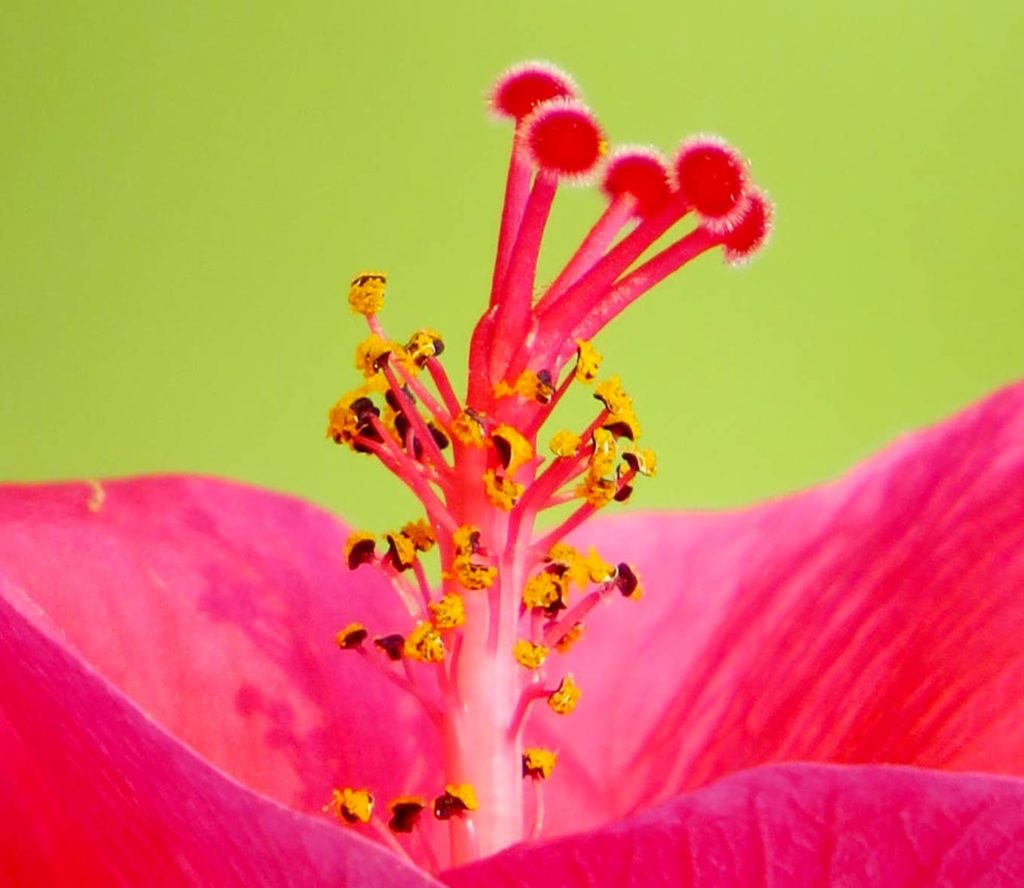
(752, 230)
(522, 88)
(712, 178)
(642, 173)
(563, 137)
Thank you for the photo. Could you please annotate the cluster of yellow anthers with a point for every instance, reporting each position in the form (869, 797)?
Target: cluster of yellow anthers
(353, 806)
(383, 417)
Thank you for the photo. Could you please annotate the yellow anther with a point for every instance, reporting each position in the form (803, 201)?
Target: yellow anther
(547, 589)
(351, 416)
(405, 811)
(401, 549)
(359, 548)
(565, 444)
(464, 793)
(588, 361)
(528, 654)
(597, 491)
(501, 491)
(471, 574)
(572, 635)
(467, 428)
(611, 394)
(421, 534)
(353, 635)
(466, 569)
(368, 353)
(466, 539)
(513, 449)
(449, 612)
(602, 461)
(366, 292)
(563, 700)
(424, 345)
(425, 644)
(598, 570)
(538, 762)
(571, 563)
(351, 805)
(628, 582)
(342, 423)
(531, 386)
(624, 425)
(642, 460)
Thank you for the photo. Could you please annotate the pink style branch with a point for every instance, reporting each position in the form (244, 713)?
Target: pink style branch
(205, 683)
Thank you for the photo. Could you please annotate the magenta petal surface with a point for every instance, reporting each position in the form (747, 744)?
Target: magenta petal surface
(793, 825)
(213, 607)
(97, 794)
(877, 619)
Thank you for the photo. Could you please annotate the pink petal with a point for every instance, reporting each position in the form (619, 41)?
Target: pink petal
(213, 607)
(793, 825)
(878, 619)
(96, 794)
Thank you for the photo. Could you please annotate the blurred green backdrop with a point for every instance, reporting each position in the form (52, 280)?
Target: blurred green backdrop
(187, 187)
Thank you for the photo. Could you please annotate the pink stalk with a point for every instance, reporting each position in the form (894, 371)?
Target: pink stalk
(529, 696)
(402, 589)
(638, 282)
(517, 189)
(444, 388)
(614, 218)
(401, 681)
(538, 810)
(421, 579)
(438, 412)
(486, 679)
(574, 303)
(430, 448)
(560, 471)
(541, 415)
(574, 520)
(554, 631)
(516, 299)
(411, 473)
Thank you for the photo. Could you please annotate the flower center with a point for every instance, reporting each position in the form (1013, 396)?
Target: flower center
(482, 651)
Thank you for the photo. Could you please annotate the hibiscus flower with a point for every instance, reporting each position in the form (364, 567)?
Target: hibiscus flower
(204, 683)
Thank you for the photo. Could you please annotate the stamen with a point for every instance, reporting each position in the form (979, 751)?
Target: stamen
(588, 361)
(564, 698)
(502, 491)
(401, 551)
(359, 549)
(405, 812)
(449, 612)
(538, 762)
(424, 644)
(351, 805)
(366, 292)
(352, 636)
(530, 655)
(392, 645)
(573, 634)
(513, 449)
(457, 799)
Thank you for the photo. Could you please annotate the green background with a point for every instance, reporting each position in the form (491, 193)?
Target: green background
(187, 187)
